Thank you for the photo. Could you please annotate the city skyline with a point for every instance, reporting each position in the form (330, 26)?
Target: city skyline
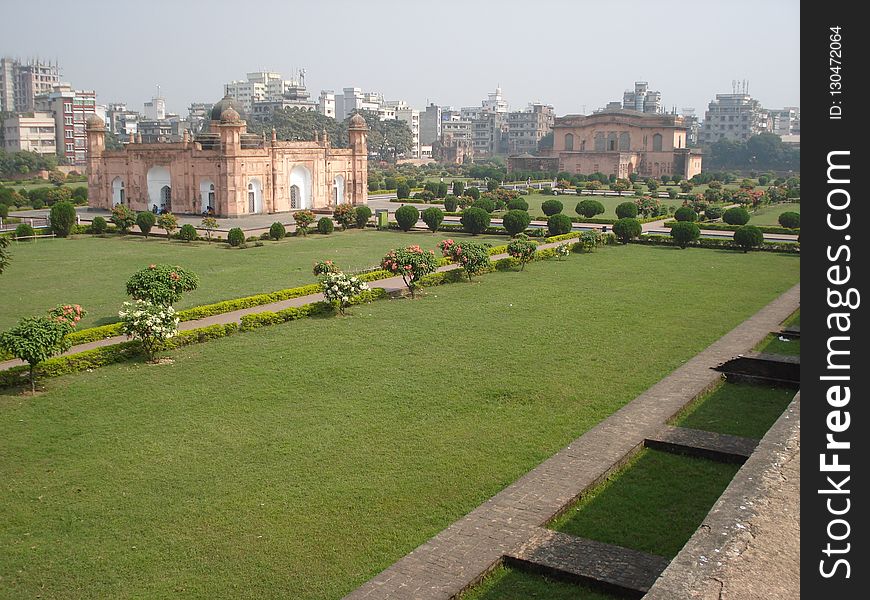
(532, 64)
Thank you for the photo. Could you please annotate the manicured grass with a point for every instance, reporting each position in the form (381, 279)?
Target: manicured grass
(655, 504)
(92, 271)
(506, 583)
(773, 345)
(570, 201)
(794, 320)
(769, 215)
(737, 409)
(300, 460)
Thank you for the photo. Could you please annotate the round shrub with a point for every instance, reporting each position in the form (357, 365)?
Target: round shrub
(235, 237)
(627, 229)
(792, 220)
(362, 214)
(145, 221)
(551, 207)
(276, 231)
(325, 225)
(37, 203)
(559, 224)
(626, 210)
(518, 204)
(407, 216)
(403, 190)
(589, 208)
(736, 216)
(450, 203)
(712, 213)
(685, 232)
(187, 233)
(484, 203)
(344, 215)
(62, 218)
(99, 225)
(24, 230)
(685, 214)
(433, 216)
(516, 221)
(475, 220)
(748, 237)
(472, 193)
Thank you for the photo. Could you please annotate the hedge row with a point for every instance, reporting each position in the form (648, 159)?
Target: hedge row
(666, 240)
(726, 227)
(293, 313)
(503, 264)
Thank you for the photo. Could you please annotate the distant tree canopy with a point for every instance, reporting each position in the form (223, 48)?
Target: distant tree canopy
(388, 139)
(112, 142)
(760, 152)
(545, 144)
(22, 163)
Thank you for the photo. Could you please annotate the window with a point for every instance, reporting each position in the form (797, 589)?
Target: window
(68, 134)
(70, 147)
(657, 142)
(67, 107)
(569, 142)
(67, 120)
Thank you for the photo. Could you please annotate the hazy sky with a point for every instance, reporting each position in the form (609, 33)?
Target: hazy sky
(569, 54)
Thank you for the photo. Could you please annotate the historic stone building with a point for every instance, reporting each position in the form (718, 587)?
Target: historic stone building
(622, 142)
(228, 169)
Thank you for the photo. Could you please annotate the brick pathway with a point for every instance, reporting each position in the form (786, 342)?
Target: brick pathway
(461, 554)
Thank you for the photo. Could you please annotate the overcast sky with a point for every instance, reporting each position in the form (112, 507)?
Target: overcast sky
(576, 55)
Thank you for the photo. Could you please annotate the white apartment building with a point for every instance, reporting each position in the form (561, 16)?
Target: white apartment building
(33, 132)
(400, 110)
(734, 117)
(326, 103)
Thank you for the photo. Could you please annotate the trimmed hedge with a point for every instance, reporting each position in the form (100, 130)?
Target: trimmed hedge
(255, 320)
(724, 227)
(667, 240)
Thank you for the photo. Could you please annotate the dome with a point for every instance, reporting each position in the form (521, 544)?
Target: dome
(223, 104)
(95, 122)
(358, 122)
(230, 115)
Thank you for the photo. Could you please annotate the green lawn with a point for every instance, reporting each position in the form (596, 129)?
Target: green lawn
(773, 345)
(655, 504)
(769, 215)
(92, 271)
(506, 583)
(737, 409)
(793, 320)
(302, 459)
(570, 201)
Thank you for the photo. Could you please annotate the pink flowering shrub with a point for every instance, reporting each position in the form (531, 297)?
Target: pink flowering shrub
(411, 263)
(69, 314)
(473, 257)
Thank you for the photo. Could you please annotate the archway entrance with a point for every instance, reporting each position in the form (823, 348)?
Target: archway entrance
(118, 192)
(300, 188)
(338, 190)
(255, 196)
(159, 188)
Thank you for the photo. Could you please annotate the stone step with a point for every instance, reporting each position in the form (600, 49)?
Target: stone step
(705, 444)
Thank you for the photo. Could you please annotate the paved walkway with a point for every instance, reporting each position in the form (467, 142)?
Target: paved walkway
(391, 285)
(460, 555)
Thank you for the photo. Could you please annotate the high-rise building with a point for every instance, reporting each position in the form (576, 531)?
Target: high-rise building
(155, 109)
(354, 99)
(7, 85)
(401, 111)
(32, 132)
(430, 125)
(121, 121)
(527, 127)
(326, 103)
(71, 109)
(785, 121)
(733, 117)
(198, 114)
(264, 86)
(21, 83)
(642, 99)
(693, 126)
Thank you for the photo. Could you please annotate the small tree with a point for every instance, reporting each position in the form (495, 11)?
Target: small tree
(99, 226)
(472, 193)
(168, 223)
(407, 217)
(685, 232)
(123, 218)
(652, 185)
(361, 215)
(235, 237)
(325, 266)
(325, 225)
(161, 284)
(24, 230)
(491, 185)
(450, 203)
(344, 215)
(619, 186)
(791, 220)
(559, 224)
(626, 210)
(411, 263)
(443, 188)
(187, 233)
(516, 221)
(458, 187)
(209, 224)
(589, 208)
(277, 231)
(303, 220)
(474, 220)
(403, 190)
(711, 213)
(736, 216)
(485, 203)
(145, 221)
(552, 207)
(748, 237)
(62, 218)
(341, 290)
(627, 229)
(433, 216)
(471, 256)
(517, 204)
(686, 186)
(34, 340)
(522, 249)
(150, 323)
(685, 213)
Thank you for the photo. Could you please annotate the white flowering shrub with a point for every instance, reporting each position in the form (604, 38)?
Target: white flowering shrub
(341, 289)
(150, 323)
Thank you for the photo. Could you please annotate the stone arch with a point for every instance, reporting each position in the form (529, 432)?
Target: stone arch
(338, 190)
(611, 142)
(657, 142)
(624, 141)
(207, 194)
(599, 142)
(119, 194)
(255, 196)
(300, 188)
(159, 187)
(569, 141)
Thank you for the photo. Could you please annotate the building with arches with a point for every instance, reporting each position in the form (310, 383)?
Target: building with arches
(228, 169)
(621, 142)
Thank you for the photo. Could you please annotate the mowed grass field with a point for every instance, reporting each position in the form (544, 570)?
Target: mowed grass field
(769, 215)
(300, 460)
(93, 271)
(570, 201)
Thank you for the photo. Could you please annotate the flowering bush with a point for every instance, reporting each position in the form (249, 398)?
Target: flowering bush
(161, 284)
(563, 250)
(35, 339)
(590, 240)
(168, 223)
(650, 207)
(150, 323)
(325, 266)
(412, 263)
(341, 289)
(344, 215)
(303, 219)
(522, 249)
(123, 217)
(471, 256)
(70, 314)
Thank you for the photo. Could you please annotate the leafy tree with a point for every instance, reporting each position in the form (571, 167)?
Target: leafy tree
(491, 185)
(522, 249)
(187, 233)
(685, 213)
(433, 216)
(792, 220)
(627, 229)
(149, 322)
(209, 224)
(736, 216)
(685, 232)
(344, 215)
(485, 203)
(551, 207)
(620, 185)
(80, 194)
(62, 218)
(471, 256)
(24, 230)
(518, 204)
(388, 139)
(748, 237)
(458, 187)
(145, 220)
(161, 284)
(712, 213)
(403, 191)
(475, 220)
(34, 340)
(516, 221)
(407, 217)
(472, 193)
(325, 225)
(303, 220)
(60, 194)
(442, 189)
(589, 208)
(57, 178)
(626, 210)
(686, 186)
(168, 223)
(450, 203)
(559, 224)
(412, 263)
(362, 214)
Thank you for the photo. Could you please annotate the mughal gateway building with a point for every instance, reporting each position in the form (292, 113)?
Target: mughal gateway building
(228, 169)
